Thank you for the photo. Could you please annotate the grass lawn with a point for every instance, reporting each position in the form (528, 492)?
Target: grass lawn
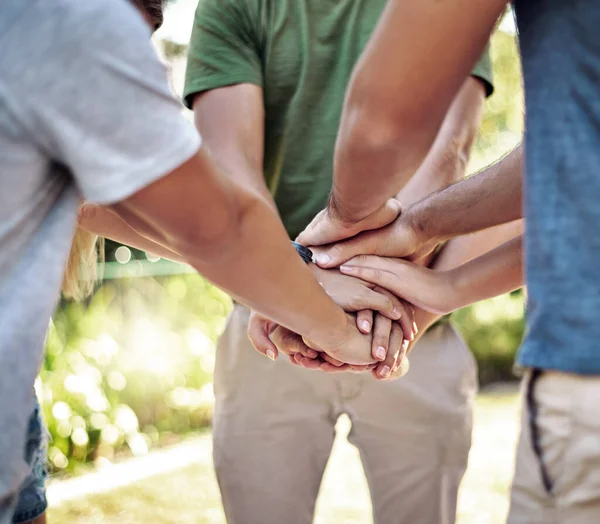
(190, 494)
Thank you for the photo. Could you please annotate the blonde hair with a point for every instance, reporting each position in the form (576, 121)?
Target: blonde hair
(80, 277)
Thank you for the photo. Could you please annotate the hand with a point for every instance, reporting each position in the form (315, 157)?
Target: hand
(352, 294)
(328, 226)
(395, 365)
(400, 239)
(260, 330)
(428, 289)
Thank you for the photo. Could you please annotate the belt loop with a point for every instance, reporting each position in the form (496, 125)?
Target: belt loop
(532, 410)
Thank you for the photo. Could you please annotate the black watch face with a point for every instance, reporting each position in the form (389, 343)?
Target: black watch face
(304, 252)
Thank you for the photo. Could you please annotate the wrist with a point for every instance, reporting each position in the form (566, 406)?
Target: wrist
(344, 213)
(456, 287)
(331, 331)
(421, 227)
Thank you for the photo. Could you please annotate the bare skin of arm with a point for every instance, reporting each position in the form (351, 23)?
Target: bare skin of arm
(442, 291)
(394, 108)
(491, 197)
(457, 252)
(232, 236)
(103, 222)
(446, 163)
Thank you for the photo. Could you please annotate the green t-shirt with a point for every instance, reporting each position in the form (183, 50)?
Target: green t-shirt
(301, 52)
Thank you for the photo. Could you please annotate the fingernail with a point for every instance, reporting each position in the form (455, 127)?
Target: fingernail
(385, 372)
(405, 345)
(323, 259)
(397, 313)
(271, 354)
(415, 328)
(380, 353)
(346, 269)
(366, 325)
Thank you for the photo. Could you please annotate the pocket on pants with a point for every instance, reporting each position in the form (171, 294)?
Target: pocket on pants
(550, 420)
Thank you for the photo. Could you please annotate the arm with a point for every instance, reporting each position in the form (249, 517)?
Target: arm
(444, 290)
(492, 197)
(457, 252)
(103, 222)
(136, 155)
(445, 164)
(395, 107)
(237, 145)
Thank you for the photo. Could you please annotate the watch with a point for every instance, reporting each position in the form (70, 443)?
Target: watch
(304, 252)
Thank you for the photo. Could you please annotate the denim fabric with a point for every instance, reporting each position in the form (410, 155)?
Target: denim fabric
(32, 497)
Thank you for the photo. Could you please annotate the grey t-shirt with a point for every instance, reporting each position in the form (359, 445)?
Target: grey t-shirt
(85, 112)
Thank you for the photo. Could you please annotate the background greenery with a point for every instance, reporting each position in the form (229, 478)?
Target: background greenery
(132, 367)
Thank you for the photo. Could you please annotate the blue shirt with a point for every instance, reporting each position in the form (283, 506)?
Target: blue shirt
(560, 48)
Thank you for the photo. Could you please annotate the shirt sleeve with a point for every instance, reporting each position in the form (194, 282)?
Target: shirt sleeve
(225, 47)
(99, 102)
(483, 71)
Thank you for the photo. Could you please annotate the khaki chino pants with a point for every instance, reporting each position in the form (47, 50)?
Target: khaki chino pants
(557, 473)
(274, 429)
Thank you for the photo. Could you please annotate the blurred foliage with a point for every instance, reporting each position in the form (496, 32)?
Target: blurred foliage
(134, 364)
(493, 330)
(503, 119)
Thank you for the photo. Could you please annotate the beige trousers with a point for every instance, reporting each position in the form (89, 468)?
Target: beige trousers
(557, 473)
(274, 429)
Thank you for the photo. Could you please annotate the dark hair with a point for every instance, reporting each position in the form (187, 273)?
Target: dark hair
(154, 10)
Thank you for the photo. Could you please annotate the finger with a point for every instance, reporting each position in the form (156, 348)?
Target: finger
(361, 369)
(330, 368)
(396, 303)
(384, 369)
(384, 216)
(333, 361)
(377, 262)
(341, 252)
(401, 357)
(401, 370)
(289, 342)
(378, 301)
(381, 337)
(258, 333)
(308, 363)
(406, 321)
(379, 277)
(364, 321)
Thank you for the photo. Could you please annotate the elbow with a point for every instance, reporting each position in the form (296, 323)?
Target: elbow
(214, 236)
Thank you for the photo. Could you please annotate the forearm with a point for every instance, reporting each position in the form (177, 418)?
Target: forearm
(103, 222)
(446, 162)
(463, 249)
(460, 251)
(395, 103)
(490, 198)
(498, 271)
(233, 237)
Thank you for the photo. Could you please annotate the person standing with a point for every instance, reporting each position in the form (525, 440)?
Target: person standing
(86, 112)
(555, 175)
(266, 81)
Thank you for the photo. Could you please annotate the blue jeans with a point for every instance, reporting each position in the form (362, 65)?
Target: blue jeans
(32, 497)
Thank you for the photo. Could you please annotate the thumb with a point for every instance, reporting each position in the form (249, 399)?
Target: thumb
(258, 333)
(336, 255)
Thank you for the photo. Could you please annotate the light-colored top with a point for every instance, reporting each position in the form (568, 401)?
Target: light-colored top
(85, 111)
